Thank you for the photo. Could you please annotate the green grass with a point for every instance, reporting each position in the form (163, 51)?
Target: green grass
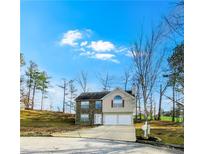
(44, 123)
(34, 118)
(169, 136)
(169, 118)
(169, 132)
(164, 118)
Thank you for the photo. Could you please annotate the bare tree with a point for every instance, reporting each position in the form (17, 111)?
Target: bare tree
(126, 78)
(161, 93)
(138, 98)
(83, 81)
(51, 105)
(151, 107)
(105, 81)
(155, 111)
(147, 65)
(64, 86)
(175, 20)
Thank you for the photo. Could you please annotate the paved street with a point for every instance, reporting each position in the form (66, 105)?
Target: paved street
(123, 133)
(60, 145)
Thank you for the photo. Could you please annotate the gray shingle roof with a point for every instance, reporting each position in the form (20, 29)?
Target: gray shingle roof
(96, 95)
(92, 95)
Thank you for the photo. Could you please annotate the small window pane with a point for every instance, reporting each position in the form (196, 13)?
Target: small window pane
(84, 117)
(85, 105)
(98, 105)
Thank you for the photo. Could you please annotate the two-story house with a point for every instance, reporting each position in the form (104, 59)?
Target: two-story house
(115, 107)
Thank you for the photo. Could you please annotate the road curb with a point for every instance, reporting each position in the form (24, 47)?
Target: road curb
(175, 146)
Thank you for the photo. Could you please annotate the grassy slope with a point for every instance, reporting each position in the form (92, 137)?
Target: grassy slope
(169, 132)
(34, 118)
(44, 123)
(166, 118)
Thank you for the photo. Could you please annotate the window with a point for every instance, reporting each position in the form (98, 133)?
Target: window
(98, 104)
(118, 102)
(85, 105)
(84, 117)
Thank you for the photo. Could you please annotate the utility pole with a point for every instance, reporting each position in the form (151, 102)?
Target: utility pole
(64, 87)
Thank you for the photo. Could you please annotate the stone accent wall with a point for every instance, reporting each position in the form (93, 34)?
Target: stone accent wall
(91, 111)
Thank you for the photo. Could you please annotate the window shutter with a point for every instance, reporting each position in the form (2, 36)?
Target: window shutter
(123, 103)
(112, 103)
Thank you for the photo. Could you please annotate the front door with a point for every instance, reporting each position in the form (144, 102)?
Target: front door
(98, 119)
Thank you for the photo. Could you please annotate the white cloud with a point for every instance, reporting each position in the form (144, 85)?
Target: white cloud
(70, 37)
(80, 41)
(100, 56)
(82, 49)
(105, 56)
(84, 43)
(122, 49)
(87, 53)
(101, 46)
(115, 61)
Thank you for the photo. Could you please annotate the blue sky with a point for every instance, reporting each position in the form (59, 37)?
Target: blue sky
(66, 37)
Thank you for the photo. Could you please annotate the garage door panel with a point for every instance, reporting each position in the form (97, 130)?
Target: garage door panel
(124, 120)
(110, 119)
(117, 119)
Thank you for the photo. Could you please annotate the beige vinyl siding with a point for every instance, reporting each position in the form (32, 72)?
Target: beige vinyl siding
(129, 103)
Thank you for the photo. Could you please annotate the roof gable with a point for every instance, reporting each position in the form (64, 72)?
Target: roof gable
(119, 89)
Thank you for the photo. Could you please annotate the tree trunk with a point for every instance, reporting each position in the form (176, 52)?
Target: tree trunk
(34, 90)
(71, 99)
(29, 92)
(151, 109)
(42, 100)
(136, 100)
(64, 99)
(140, 110)
(155, 111)
(160, 104)
(173, 112)
(70, 105)
(145, 109)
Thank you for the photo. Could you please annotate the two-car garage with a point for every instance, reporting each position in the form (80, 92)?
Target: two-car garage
(117, 119)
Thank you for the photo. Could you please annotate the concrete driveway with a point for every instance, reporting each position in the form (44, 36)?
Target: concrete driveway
(60, 145)
(122, 133)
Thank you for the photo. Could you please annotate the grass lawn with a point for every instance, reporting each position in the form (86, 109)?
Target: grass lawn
(44, 123)
(165, 118)
(169, 132)
(169, 118)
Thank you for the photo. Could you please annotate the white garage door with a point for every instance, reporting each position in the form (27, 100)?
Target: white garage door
(117, 119)
(110, 119)
(124, 119)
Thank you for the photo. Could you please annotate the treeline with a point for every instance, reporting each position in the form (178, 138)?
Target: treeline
(31, 81)
(34, 80)
(151, 75)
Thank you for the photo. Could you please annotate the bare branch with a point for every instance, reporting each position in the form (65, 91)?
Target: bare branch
(105, 81)
(82, 81)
